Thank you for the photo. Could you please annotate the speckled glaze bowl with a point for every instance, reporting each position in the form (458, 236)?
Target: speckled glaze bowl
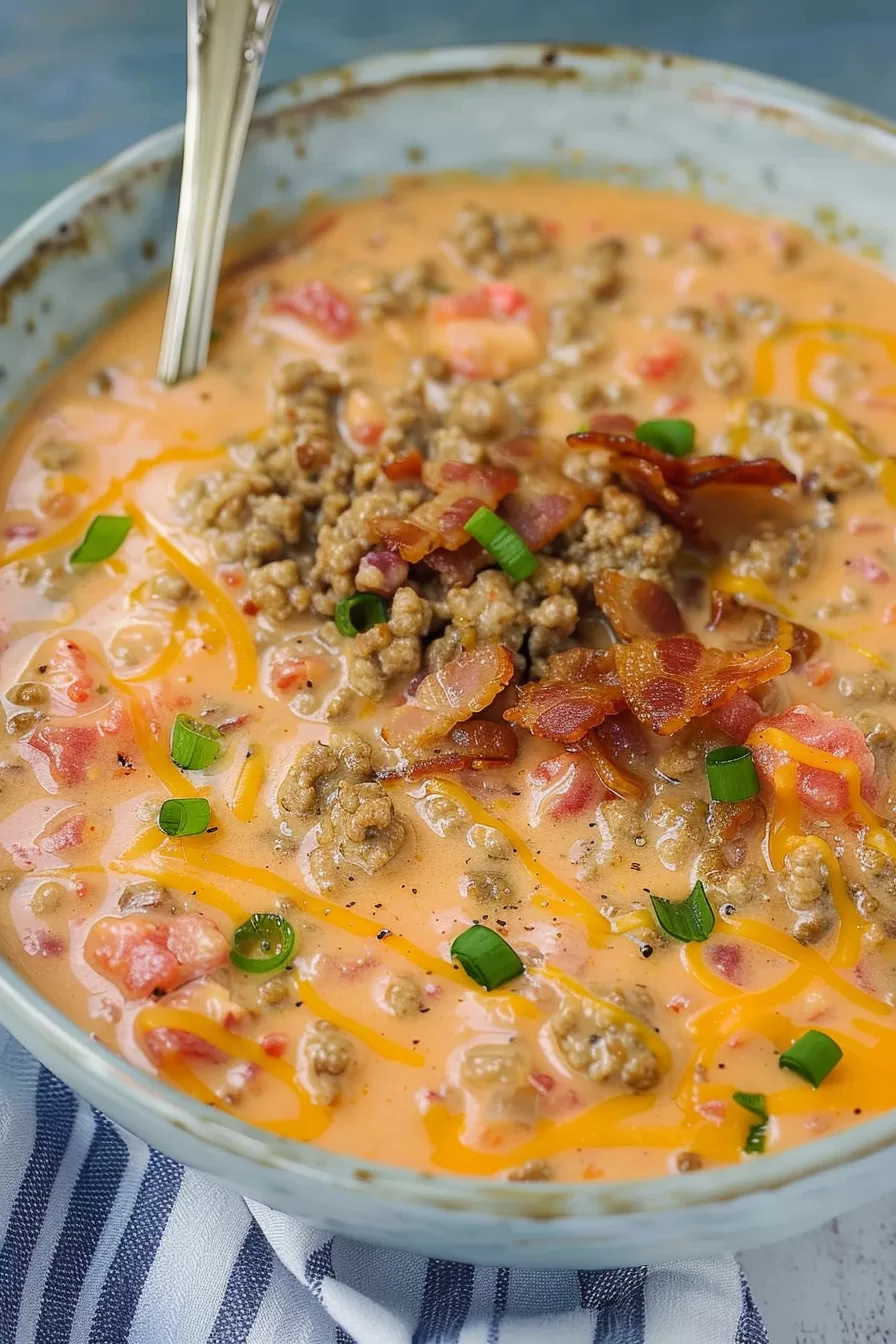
(624, 116)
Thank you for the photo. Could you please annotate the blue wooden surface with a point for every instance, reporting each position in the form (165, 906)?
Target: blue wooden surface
(81, 79)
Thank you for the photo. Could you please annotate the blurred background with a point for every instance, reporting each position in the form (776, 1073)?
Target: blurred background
(82, 79)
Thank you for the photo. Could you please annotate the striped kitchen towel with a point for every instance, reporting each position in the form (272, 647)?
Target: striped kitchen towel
(104, 1241)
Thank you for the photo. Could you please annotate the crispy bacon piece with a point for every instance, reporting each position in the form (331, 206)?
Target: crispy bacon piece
(565, 786)
(457, 691)
(637, 608)
(478, 744)
(752, 625)
(545, 502)
(668, 682)
(460, 566)
(614, 777)
(579, 692)
(461, 488)
(662, 481)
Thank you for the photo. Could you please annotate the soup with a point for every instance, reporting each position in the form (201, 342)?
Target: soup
(455, 728)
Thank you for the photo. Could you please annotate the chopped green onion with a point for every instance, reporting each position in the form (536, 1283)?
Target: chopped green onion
(754, 1102)
(690, 921)
(731, 774)
(264, 943)
(502, 542)
(486, 957)
(102, 539)
(812, 1057)
(184, 816)
(673, 437)
(361, 612)
(194, 745)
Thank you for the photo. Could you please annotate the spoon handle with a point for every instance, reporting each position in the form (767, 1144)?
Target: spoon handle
(227, 41)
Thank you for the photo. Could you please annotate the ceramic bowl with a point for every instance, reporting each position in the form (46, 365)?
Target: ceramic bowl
(628, 117)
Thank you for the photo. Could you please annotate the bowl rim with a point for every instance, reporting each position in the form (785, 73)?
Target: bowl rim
(371, 1181)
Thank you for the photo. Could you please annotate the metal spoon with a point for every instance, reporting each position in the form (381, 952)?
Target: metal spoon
(227, 41)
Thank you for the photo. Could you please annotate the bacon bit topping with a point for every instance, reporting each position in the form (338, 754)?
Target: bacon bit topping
(275, 1044)
(823, 791)
(480, 744)
(461, 488)
(321, 306)
(637, 608)
(662, 480)
(579, 692)
(164, 1041)
(545, 502)
(752, 625)
(669, 682)
(460, 566)
(289, 671)
(455, 692)
(566, 786)
(613, 422)
(404, 466)
(381, 572)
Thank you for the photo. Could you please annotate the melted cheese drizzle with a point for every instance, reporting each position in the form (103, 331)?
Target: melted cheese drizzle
(248, 785)
(564, 895)
(312, 1119)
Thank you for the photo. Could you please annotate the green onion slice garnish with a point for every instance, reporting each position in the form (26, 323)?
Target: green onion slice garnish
(754, 1102)
(486, 957)
(358, 613)
(673, 437)
(501, 542)
(264, 943)
(690, 921)
(812, 1057)
(731, 774)
(185, 816)
(102, 539)
(194, 745)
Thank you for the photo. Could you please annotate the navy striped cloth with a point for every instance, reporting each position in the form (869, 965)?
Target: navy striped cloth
(105, 1241)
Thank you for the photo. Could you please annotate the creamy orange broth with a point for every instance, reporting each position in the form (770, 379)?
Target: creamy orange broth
(715, 1021)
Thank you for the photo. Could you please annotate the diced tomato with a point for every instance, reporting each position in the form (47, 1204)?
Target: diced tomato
(67, 834)
(496, 300)
(669, 404)
(21, 531)
(678, 1003)
(162, 1041)
(727, 959)
(275, 1044)
(713, 1110)
(291, 670)
(486, 347)
(198, 944)
(543, 1082)
(661, 361)
(320, 305)
(69, 750)
(234, 578)
(869, 568)
(566, 786)
(822, 791)
(143, 957)
(42, 943)
(818, 672)
(738, 716)
(859, 525)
